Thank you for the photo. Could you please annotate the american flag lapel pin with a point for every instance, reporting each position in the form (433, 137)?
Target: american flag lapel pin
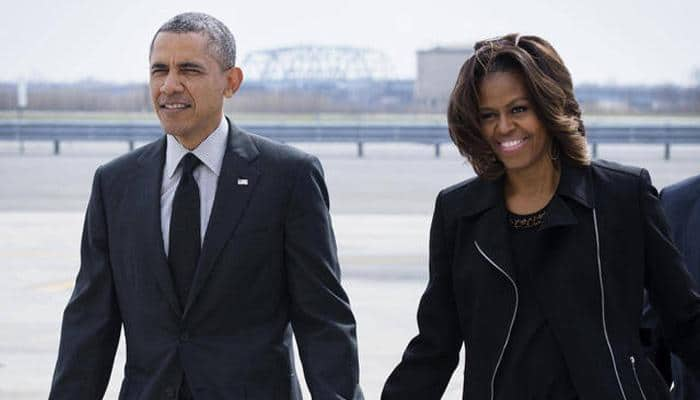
(242, 182)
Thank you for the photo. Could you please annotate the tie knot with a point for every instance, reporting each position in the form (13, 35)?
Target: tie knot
(189, 163)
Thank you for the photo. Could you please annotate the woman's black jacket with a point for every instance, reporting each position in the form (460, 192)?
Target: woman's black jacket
(607, 241)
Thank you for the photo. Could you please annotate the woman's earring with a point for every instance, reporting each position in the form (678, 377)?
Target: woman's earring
(554, 152)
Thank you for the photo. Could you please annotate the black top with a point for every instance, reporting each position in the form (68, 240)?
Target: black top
(533, 366)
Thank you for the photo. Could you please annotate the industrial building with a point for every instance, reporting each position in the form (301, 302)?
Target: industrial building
(436, 75)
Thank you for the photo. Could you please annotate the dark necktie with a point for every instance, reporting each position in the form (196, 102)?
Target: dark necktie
(184, 247)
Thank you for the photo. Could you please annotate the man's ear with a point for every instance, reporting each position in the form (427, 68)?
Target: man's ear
(234, 78)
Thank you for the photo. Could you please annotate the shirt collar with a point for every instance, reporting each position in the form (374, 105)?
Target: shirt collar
(210, 151)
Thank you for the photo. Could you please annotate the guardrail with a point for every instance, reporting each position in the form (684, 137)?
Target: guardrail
(433, 134)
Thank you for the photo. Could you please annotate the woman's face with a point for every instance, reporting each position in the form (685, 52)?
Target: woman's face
(509, 122)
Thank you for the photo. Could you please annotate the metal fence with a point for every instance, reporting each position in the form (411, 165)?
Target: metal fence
(433, 134)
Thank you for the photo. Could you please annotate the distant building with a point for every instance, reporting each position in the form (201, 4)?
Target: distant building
(437, 73)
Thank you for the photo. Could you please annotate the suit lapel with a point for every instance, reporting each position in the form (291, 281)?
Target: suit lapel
(237, 181)
(146, 186)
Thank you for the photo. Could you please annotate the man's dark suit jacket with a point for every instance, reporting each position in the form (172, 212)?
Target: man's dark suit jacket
(681, 203)
(268, 266)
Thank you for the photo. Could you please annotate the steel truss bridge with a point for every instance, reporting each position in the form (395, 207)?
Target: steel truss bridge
(317, 64)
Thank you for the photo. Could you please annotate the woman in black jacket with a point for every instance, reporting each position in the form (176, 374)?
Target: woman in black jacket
(539, 264)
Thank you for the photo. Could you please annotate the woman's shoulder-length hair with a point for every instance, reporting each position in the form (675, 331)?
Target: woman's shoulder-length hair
(549, 86)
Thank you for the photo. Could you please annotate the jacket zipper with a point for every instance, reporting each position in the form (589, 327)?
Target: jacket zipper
(636, 377)
(602, 305)
(512, 321)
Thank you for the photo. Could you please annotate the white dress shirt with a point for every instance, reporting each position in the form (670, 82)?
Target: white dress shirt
(211, 153)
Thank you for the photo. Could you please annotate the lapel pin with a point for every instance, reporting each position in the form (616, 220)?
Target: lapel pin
(242, 182)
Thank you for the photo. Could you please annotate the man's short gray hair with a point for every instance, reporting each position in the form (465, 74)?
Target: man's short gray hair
(221, 42)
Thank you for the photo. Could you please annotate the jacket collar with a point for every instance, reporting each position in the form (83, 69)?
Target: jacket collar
(486, 202)
(241, 143)
(238, 143)
(575, 183)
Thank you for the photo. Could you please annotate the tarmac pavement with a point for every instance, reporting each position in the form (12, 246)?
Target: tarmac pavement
(381, 206)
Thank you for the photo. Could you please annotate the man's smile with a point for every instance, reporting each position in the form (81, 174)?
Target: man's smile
(175, 106)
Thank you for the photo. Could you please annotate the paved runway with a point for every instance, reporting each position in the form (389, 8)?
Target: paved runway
(381, 208)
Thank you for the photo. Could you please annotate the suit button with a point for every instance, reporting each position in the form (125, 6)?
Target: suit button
(184, 336)
(170, 393)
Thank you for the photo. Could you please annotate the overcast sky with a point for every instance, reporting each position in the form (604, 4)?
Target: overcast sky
(602, 41)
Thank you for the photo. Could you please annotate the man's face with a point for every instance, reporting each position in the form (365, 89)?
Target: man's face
(188, 86)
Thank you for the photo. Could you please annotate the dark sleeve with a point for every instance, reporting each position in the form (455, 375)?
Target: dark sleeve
(91, 320)
(672, 291)
(651, 333)
(323, 324)
(431, 357)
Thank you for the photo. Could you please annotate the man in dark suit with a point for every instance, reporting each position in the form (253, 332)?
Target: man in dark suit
(209, 246)
(681, 203)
